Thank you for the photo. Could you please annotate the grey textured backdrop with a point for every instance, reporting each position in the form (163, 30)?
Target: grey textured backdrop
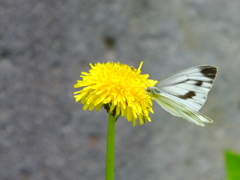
(44, 45)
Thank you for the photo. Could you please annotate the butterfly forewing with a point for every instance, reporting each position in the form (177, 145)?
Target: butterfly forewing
(184, 93)
(189, 87)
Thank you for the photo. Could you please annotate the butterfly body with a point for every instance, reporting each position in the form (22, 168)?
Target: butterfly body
(185, 92)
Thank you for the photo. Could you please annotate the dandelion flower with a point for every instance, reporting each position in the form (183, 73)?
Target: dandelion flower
(120, 88)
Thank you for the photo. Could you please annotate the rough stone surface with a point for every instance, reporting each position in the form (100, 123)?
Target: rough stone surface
(44, 45)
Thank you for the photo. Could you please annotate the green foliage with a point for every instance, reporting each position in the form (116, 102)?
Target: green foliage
(232, 163)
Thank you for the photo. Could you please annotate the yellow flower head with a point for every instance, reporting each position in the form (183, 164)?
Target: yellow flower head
(119, 87)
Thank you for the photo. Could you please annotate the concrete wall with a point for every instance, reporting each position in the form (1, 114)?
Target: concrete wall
(44, 45)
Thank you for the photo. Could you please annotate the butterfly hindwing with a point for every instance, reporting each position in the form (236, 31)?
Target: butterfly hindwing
(178, 109)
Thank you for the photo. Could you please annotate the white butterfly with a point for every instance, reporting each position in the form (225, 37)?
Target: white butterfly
(184, 93)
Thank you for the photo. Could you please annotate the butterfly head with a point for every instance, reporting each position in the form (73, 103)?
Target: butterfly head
(153, 91)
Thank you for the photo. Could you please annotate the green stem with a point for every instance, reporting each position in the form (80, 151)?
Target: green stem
(110, 148)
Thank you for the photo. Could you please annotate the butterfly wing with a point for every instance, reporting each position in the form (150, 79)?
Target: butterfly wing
(180, 110)
(189, 87)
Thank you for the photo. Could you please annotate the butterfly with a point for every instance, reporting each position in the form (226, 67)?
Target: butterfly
(185, 92)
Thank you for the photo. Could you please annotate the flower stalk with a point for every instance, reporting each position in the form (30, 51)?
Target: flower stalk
(110, 147)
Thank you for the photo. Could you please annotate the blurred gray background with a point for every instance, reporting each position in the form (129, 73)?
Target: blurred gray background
(46, 44)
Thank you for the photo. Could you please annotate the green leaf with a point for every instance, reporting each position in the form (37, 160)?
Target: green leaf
(232, 163)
